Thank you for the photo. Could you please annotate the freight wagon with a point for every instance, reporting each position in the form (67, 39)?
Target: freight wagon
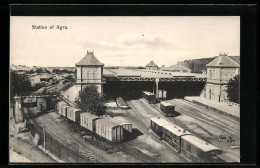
(167, 109)
(149, 97)
(121, 103)
(109, 130)
(74, 114)
(198, 150)
(88, 120)
(58, 106)
(126, 125)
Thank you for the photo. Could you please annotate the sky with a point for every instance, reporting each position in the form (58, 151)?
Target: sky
(121, 41)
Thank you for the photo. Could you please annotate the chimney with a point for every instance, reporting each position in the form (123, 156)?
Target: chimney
(163, 66)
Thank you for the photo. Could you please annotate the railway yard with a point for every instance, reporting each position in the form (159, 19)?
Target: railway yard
(143, 145)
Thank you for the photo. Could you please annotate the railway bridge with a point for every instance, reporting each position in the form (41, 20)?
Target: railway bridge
(145, 75)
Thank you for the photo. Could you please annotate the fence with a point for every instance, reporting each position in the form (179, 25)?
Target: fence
(52, 145)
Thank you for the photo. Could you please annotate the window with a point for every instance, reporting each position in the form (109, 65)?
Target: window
(210, 74)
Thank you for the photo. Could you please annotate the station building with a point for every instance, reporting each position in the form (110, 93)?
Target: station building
(219, 72)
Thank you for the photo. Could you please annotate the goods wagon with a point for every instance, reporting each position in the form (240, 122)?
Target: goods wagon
(58, 106)
(121, 103)
(88, 120)
(109, 130)
(197, 149)
(156, 125)
(167, 109)
(149, 97)
(172, 135)
(64, 110)
(126, 125)
(74, 114)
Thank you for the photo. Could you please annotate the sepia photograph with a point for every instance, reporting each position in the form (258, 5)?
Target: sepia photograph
(124, 89)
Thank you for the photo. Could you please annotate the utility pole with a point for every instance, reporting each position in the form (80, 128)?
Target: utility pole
(44, 141)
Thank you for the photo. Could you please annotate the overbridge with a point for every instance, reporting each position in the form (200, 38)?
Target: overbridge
(142, 75)
(150, 75)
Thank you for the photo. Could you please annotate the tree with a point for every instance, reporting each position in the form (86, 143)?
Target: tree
(90, 100)
(20, 84)
(233, 89)
(39, 70)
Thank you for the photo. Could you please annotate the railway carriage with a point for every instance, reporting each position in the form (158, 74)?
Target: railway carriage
(172, 135)
(109, 130)
(121, 103)
(157, 124)
(88, 120)
(74, 114)
(197, 149)
(149, 97)
(167, 109)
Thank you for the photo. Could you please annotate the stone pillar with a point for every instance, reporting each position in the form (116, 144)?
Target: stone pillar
(157, 87)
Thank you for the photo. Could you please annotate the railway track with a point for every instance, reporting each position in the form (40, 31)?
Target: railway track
(206, 112)
(66, 138)
(190, 111)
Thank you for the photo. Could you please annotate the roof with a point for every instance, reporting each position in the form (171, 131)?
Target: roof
(199, 143)
(121, 120)
(74, 109)
(148, 93)
(89, 115)
(61, 103)
(151, 64)
(166, 104)
(223, 61)
(177, 68)
(160, 121)
(107, 122)
(89, 59)
(178, 131)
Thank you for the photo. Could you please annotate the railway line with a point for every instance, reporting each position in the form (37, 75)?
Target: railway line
(204, 117)
(66, 138)
(209, 113)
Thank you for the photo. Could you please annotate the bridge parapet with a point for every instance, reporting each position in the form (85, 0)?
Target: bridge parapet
(176, 79)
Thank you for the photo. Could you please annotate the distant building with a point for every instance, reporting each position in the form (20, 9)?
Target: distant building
(176, 68)
(151, 65)
(219, 72)
(46, 78)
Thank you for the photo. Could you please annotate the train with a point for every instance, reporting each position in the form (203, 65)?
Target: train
(113, 131)
(149, 97)
(168, 109)
(184, 142)
(121, 103)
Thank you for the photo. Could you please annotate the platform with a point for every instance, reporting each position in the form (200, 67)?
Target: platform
(222, 108)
